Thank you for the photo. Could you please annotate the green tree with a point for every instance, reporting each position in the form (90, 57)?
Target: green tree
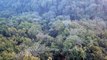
(34, 30)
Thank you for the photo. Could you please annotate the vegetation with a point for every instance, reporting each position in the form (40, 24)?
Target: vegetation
(73, 40)
(53, 30)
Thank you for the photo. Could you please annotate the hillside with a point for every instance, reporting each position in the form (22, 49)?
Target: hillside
(53, 30)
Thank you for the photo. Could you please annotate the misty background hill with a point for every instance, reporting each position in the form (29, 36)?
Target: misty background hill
(48, 9)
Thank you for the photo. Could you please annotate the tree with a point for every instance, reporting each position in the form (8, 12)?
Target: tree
(34, 30)
(28, 56)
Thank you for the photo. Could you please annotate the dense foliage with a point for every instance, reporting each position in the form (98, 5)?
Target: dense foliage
(49, 9)
(63, 39)
(53, 30)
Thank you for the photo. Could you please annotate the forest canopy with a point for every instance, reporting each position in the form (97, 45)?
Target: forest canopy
(53, 30)
(49, 9)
